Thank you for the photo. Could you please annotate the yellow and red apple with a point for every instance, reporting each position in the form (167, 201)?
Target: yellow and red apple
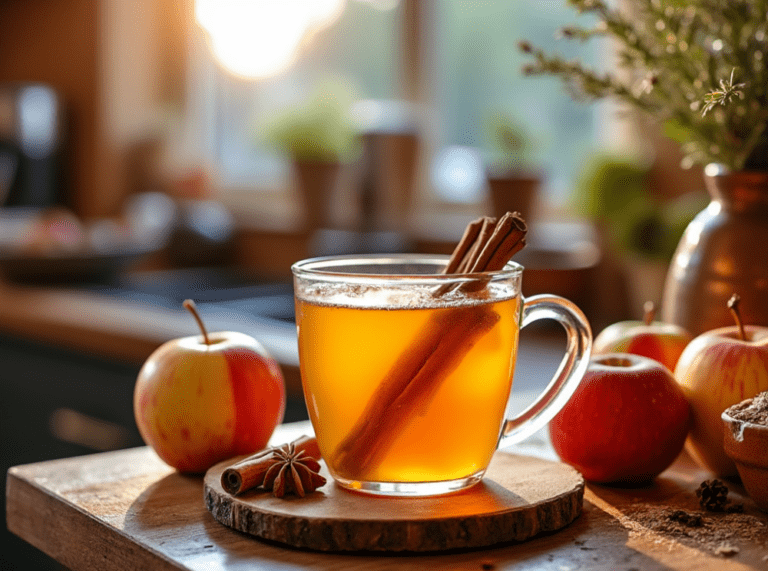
(626, 422)
(663, 342)
(720, 368)
(202, 399)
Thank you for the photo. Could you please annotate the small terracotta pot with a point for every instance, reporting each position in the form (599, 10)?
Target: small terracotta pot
(513, 193)
(747, 444)
(316, 182)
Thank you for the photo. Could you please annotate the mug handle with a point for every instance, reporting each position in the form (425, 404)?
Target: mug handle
(568, 375)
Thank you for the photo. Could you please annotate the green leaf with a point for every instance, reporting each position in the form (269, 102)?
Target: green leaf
(673, 129)
(607, 185)
(319, 129)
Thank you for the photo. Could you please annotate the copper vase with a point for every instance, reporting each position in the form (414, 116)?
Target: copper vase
(723, 251)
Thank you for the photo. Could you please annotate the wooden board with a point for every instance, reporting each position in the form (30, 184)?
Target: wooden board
(128, 510)
(519, 498)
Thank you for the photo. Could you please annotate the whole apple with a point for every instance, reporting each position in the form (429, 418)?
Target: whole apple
(626, 422)
(663, 342)
(720, 368)
(202, 399)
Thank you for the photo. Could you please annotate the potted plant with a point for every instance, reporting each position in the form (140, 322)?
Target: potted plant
(700, 68)
(319, 137)
(512, 181)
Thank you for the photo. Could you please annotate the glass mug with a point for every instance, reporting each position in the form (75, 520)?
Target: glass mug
(407, 372)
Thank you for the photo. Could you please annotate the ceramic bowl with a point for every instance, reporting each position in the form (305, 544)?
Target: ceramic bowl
(747, 444)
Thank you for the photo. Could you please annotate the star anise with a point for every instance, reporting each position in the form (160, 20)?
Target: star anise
(292, 472)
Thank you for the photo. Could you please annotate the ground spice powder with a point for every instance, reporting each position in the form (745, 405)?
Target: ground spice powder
(754, 410)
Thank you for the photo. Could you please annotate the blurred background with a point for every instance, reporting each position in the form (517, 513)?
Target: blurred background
(155, 150)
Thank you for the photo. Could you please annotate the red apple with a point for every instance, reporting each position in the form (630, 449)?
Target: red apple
(626, 422)
(720, 368)
(663, 342)
(199, 400)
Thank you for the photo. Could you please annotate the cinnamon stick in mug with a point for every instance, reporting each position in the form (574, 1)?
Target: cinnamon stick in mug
(436, 351)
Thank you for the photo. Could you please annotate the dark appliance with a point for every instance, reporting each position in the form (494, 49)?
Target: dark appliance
(30, 144)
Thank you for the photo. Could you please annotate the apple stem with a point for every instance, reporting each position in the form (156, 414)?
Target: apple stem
(190, 305)
(649, 309)
(733, 305)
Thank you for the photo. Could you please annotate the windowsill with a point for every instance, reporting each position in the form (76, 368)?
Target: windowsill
(272, 211)
(556, 238)
(279, 210)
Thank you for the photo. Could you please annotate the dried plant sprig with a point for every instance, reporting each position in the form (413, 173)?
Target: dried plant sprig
(723, 96)
(701, 66)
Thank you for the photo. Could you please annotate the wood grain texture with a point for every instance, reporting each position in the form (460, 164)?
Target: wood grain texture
(127, 510)
(519, 498)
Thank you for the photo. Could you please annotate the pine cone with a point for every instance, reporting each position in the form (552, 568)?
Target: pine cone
(713, 495)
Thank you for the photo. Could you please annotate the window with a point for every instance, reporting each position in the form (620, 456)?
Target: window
(470, 70)
(478, 77)
(357, 56)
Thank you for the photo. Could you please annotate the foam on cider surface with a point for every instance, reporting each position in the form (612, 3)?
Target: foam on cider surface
(412, 296)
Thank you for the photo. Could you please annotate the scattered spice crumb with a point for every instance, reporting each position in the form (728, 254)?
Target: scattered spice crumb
(706, 530)
(734, 508)
(726, 549)
(686, 518)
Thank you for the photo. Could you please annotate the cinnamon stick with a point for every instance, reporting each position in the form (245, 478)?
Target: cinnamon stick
(436, 352)
(468, 240)
(509, 234)
(250, 471)
(494, 246)
(486, 231)
(507, 239)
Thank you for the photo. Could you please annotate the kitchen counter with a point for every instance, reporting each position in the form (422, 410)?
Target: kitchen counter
(128, 510)
(114, 327)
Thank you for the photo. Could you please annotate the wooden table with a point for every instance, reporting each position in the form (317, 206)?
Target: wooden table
(128, 510)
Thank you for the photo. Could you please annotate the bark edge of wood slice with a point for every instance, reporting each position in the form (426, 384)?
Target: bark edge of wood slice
(519, 498)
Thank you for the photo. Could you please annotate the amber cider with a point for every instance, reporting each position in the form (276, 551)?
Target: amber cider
(347, 349)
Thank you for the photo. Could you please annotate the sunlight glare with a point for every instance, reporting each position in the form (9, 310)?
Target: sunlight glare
(260, 38)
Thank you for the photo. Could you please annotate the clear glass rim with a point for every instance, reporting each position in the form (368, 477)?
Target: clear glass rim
(312, 268)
